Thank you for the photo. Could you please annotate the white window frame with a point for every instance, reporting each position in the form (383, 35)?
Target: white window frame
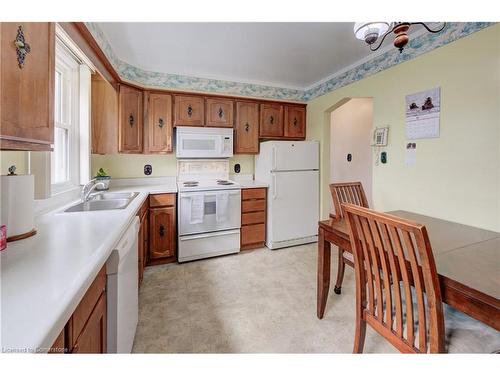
(69, 68)
(40, 163)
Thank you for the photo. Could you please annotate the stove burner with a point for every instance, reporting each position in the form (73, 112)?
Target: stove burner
(191, 183)
(224, 182)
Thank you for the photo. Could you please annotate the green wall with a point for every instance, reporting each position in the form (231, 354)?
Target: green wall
(457, 176)
(130, 166)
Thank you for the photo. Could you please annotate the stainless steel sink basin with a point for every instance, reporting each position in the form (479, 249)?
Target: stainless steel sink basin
(108, 196)
(104, 201)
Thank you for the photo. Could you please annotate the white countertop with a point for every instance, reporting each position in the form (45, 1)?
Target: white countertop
(250, 184)
(43, 278)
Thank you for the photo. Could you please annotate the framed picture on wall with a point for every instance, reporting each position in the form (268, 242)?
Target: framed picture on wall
(422, 114)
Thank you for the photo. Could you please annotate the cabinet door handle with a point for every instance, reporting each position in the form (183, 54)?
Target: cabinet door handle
(220, 112)
(162, 231)
(271, 120)
(247, 127)
(189, 110)
(160, 122)
(131, 120)
(22, 47)
(295, 121)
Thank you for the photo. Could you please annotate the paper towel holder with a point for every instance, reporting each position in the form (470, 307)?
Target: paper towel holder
(22, 236)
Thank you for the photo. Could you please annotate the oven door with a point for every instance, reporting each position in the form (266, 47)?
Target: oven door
(230, 219)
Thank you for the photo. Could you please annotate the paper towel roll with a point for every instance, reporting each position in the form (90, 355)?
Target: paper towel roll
(17, 204)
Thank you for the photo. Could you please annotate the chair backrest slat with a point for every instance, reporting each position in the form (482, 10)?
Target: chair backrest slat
(347, 192)
(395, 278)
(397, 289)
(374, 268)
(406, 284)
(385, 273)
(369, 275)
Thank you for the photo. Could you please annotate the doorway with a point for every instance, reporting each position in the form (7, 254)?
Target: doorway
(350, 144)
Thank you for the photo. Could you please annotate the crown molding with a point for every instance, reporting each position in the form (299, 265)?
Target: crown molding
(387, 57)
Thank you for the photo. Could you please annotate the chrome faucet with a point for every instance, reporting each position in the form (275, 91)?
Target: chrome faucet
(89, 187)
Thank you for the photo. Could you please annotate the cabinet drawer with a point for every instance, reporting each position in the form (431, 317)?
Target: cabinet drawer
(252, 206)
(161, 200)
(247, 194)
(251, 234)
(86, 305)
(253, 218)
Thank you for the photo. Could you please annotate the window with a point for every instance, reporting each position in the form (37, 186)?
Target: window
(65, 157)
(59, 174)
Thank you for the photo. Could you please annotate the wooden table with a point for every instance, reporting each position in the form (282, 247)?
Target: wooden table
(467, 260)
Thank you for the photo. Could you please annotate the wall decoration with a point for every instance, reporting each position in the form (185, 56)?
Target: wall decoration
(411, 154)
(377, 63)
(422, 114)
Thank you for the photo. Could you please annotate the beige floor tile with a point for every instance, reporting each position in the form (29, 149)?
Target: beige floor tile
(264, 301)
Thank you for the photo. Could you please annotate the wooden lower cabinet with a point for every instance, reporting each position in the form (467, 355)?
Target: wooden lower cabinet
(85, 331)
(162, 228)
(143, 238)
(253, 218)
(92, 339)
(59, 346)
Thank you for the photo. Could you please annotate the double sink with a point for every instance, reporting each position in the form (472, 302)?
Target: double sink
(104, 201)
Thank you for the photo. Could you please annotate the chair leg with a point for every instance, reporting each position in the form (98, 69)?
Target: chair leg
(359, 335)
(340, 273)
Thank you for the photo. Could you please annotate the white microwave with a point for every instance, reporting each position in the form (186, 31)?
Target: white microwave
(194, 142)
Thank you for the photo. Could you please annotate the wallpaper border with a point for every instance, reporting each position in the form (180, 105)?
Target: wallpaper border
(419, 45)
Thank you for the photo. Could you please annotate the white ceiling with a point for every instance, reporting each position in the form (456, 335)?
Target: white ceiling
(292, 55)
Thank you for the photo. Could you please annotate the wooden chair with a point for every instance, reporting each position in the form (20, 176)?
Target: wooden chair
(347, 192)
(397, 286)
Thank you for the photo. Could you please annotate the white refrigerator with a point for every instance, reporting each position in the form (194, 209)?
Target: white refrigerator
(291, 168)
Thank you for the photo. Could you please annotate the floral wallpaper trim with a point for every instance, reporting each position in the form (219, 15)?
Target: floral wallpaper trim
(416, 47)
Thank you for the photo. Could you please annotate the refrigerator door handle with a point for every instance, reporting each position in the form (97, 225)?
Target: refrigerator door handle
(273, 166)
(275, 187)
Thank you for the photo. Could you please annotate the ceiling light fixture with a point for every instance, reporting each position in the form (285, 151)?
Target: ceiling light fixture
(370, 32)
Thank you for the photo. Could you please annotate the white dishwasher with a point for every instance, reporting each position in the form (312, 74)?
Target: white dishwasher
(123, 295)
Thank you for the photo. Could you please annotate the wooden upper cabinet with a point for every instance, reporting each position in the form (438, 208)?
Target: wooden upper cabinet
(104, 116)
(295, 121)
(158, 137)
(246, 137)
(162, 232)
(219, 112)
(130, 120)
(189, 110)
(27, 86)
(271, 120)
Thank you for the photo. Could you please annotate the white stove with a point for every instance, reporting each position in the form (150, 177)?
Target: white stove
(209, 209)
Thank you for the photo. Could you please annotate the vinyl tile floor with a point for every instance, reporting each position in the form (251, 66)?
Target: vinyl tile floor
(264, 301)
